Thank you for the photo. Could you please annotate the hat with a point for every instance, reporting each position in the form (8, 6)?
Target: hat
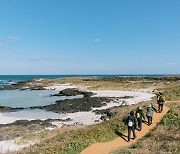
(160, 93)
(140, 108)
(149, 105)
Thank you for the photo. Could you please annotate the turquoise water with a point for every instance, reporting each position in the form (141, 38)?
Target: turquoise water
(15, 98)
(28, 98)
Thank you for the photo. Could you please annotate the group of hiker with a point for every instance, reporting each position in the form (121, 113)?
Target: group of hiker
(140, 118)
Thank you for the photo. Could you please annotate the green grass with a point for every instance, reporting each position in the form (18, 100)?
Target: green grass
(74, 141)
(114, 83)
(172, 93)
(163, 139)
(159, 139)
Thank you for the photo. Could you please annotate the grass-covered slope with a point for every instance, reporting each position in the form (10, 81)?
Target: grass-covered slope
(110, 83)
(163, 139)
(74, 141)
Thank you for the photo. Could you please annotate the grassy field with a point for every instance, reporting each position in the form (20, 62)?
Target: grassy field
(165, 138)
(74, 141)
(117, 83)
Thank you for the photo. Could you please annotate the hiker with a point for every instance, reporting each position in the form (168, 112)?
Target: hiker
(131, 122)
(149, 113)
(160, 101)
(140, 117)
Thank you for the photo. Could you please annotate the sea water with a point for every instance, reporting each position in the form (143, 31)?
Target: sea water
(29, 98)
(29, 114)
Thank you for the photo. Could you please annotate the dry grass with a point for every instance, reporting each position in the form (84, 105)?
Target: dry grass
(74, 141)
(102, 84)
(165, 138)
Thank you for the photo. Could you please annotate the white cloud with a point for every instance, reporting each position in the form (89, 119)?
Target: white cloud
(13, 38)
(38, 58)
(97, 40)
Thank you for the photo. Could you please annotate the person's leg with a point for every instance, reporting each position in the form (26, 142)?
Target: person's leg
(140, 124)
(134, 134)
(150, 120)
(161, 107)
(148, 117)
(129, 133)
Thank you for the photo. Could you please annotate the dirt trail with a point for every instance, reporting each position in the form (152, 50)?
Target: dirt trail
(107, 147)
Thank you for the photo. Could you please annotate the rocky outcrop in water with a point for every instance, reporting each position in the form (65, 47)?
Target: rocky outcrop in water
(18, 85)
(73, 92)
(22, 85)
(10, 109)
(76, 105)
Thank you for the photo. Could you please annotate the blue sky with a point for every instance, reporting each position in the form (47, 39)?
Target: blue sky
(89, 37)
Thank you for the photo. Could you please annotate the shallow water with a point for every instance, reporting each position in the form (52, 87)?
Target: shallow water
(28, 98)
(29, 114)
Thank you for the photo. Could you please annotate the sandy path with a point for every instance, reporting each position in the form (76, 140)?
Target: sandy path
(107, 147)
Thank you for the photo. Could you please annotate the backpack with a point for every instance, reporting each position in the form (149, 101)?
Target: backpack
(160, 99)
(130, 122)
(138, 115)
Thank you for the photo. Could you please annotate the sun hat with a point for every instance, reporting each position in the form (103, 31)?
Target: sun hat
(140, 108)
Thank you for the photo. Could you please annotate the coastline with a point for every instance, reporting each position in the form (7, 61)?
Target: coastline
(82, 118)
(77, 118)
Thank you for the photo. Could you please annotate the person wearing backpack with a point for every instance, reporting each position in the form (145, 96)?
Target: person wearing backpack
(131, 122)
(160, 101)
(149, 113)
(140, 117)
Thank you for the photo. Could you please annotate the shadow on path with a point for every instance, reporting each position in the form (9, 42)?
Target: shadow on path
(124, 137)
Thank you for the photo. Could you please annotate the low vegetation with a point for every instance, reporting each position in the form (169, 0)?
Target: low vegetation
(163, 139)
(74, 141)
(110, 83)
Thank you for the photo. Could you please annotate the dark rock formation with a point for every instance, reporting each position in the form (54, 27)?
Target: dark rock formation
(75, 105)
(34, 88)
(10, 109)
(5, 109)
(18, 85)
(106, 114)
(45, 123)
(21, 85)
(73, 92)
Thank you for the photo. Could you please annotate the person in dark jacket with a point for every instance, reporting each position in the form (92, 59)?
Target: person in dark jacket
(160, 101)
(149, 113)
(131, 122)
(140, 117)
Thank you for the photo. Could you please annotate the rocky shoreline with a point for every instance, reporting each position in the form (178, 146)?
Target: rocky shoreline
(93, 107)
(70, 105)
(22, 85)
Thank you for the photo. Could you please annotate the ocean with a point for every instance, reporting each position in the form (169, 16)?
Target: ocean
(9, 79)
(26, 98)
(29, 98)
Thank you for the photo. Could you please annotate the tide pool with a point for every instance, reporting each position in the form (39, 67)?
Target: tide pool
(28, 114)
(29, 98)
